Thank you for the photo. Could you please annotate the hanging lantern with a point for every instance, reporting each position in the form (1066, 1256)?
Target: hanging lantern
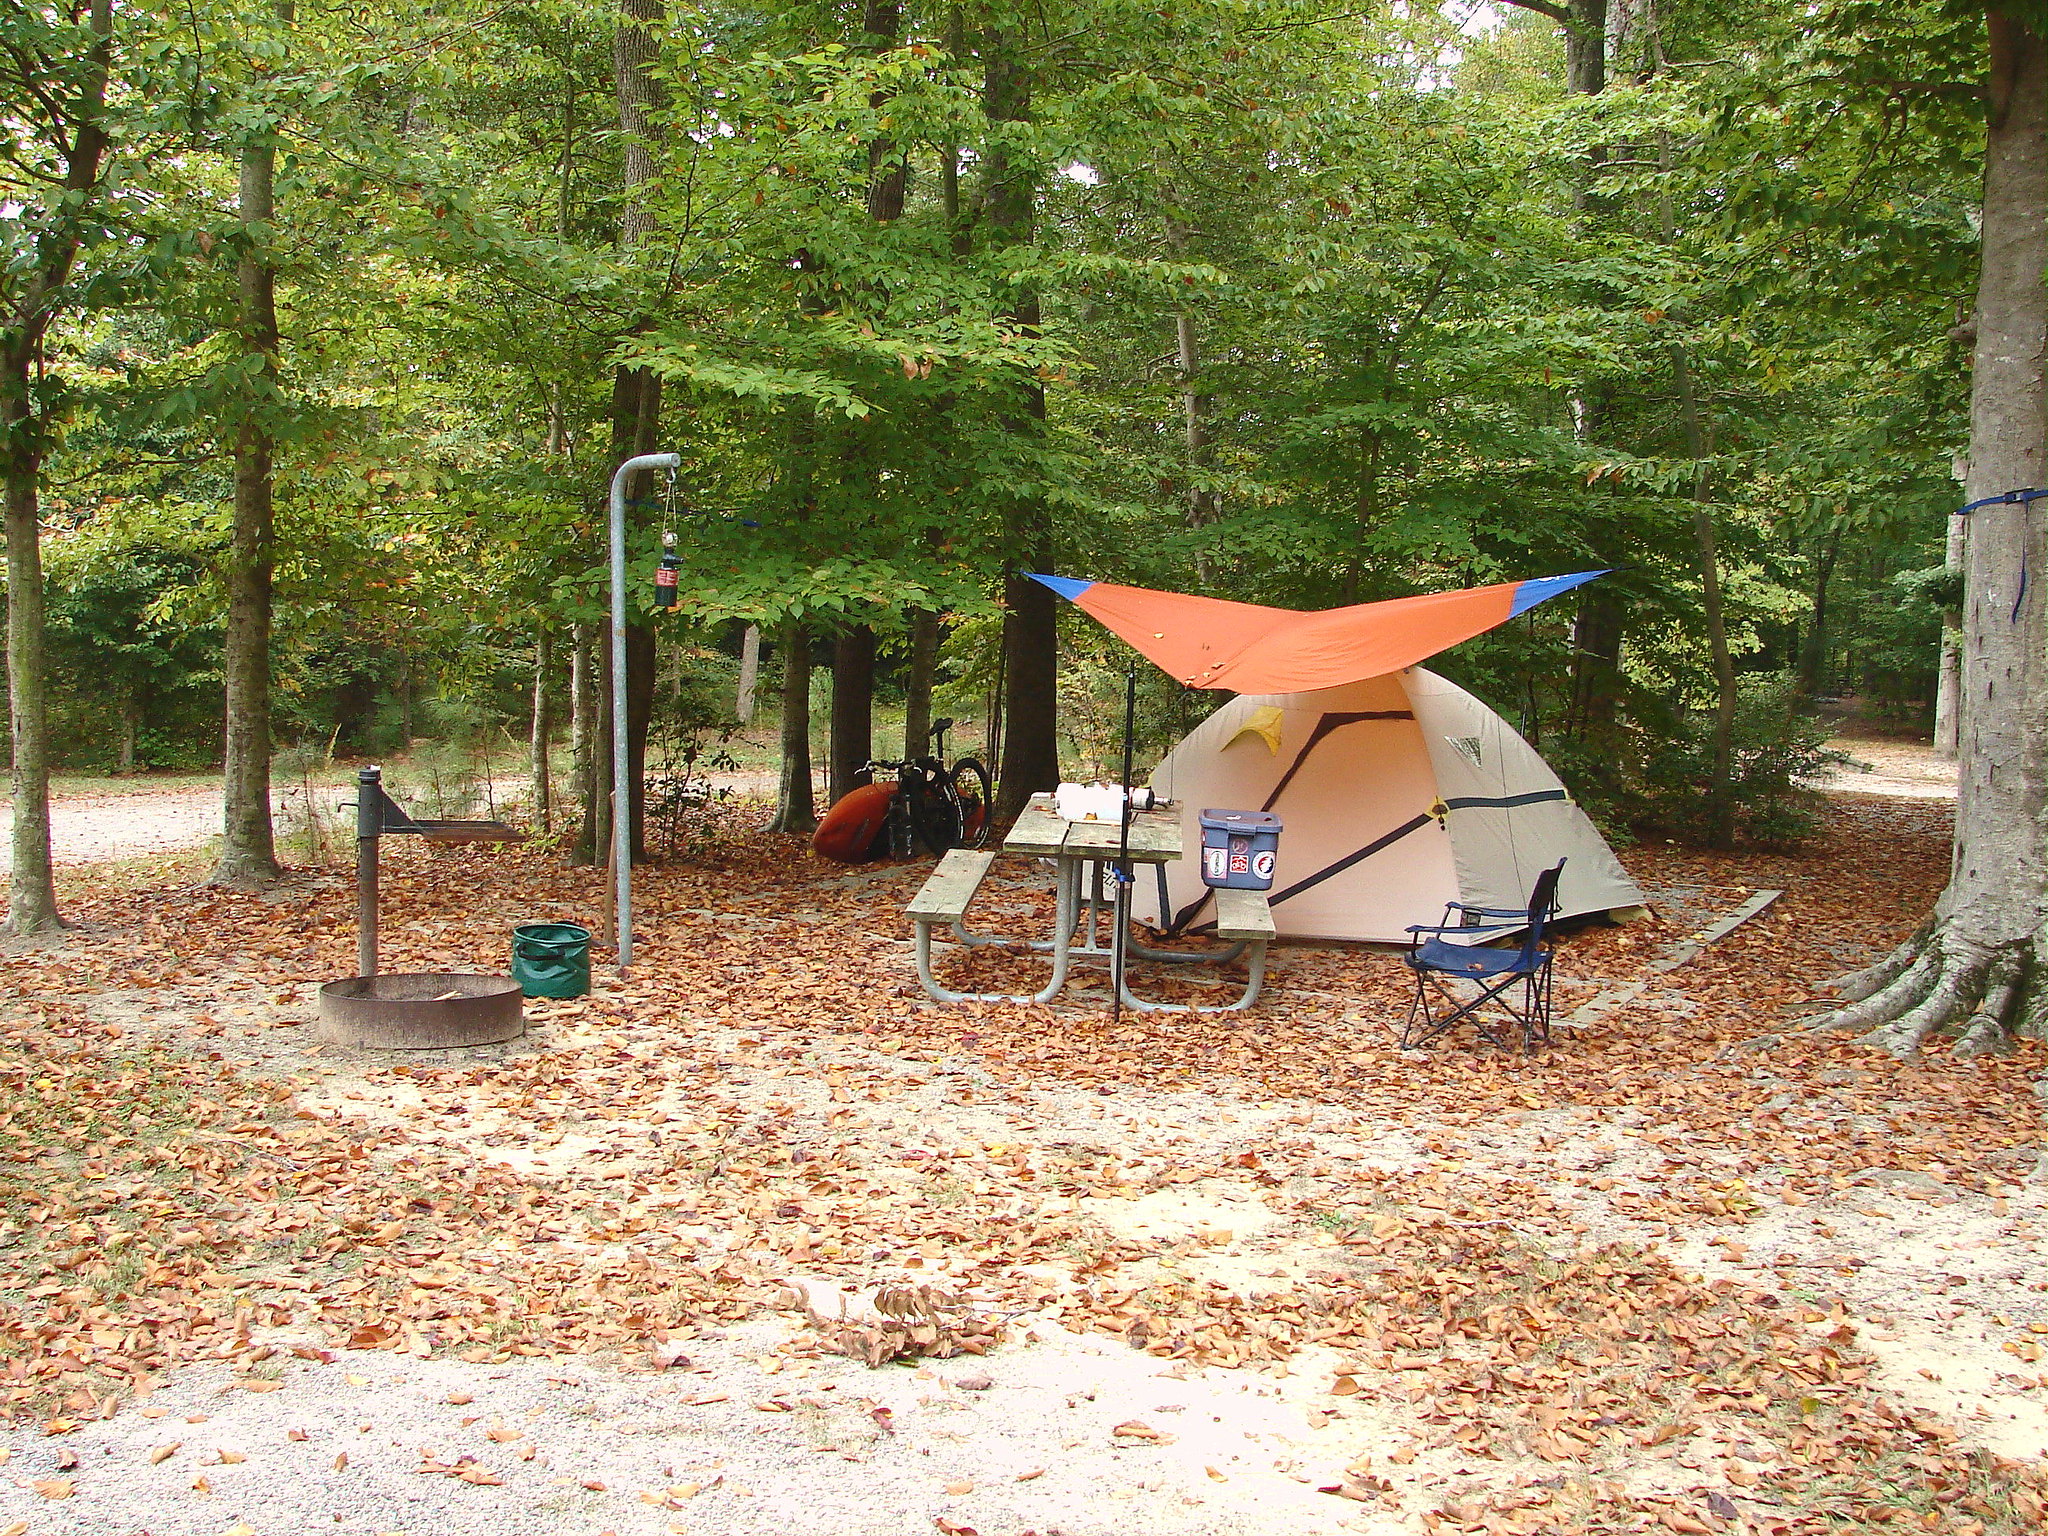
(666, 575)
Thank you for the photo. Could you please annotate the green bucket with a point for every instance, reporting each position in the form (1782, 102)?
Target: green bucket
(551, 959)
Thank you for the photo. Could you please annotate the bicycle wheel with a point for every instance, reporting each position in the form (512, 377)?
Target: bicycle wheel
(934, 820)
(976, 798)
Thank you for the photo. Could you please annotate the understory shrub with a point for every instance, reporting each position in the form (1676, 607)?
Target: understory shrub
(1779, 752)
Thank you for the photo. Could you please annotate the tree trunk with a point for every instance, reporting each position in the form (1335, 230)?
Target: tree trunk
(1813, 654)
(1602, 621)
(32, 892)
(1720, 787)
(248, 857)
(636, 392)
(640, 680)
(1203, 504)
(131, 727)
(750, 675)
(1030, 619)
(540, 739)
(1585, 48)
(796, 808)
(1979, 963)
(585, 698)
(853, 709)
(1948, 685)
(600, 817)
(75, 125)
(917, 687)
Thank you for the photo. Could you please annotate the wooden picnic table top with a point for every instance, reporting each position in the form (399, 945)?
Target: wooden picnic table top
(1043, 833)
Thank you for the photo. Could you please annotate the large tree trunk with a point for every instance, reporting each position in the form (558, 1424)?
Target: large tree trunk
(32, 892)
(853, 709)
(248, 857)
(636, 392)
(1030, 620)
(1980, 962)
(1585, 47)
(35, 289)
(917, 686)
(796, 809)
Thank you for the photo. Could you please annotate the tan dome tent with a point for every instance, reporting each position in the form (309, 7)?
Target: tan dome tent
(1398, 794)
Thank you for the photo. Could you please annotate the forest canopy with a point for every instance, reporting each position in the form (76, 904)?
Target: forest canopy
(1269, 301)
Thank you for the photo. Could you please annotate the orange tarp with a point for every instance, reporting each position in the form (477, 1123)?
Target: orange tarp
(1206, 642)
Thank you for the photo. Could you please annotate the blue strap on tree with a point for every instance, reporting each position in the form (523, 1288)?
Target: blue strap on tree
(2010, 498)
(2007, 498)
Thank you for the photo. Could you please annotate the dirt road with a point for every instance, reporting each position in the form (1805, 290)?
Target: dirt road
(94, 829)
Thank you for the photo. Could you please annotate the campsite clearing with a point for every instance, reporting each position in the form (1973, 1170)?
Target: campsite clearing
(1689, 1275)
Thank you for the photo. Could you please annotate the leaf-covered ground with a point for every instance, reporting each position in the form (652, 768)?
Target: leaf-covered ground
(1689, 1270)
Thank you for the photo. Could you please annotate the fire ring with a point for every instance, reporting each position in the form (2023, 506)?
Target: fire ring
(431, 1012)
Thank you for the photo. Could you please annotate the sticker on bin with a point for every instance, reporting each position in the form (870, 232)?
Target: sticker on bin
(1239, 849)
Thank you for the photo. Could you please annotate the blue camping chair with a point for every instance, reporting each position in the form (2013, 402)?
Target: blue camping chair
(1513, 984)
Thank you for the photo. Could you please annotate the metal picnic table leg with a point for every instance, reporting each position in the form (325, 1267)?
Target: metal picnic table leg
(1067, 890)
(1251, 989)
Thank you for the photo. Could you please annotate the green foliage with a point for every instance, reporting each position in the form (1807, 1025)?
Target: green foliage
(1422, 308)
(1779, 752)
(136, 685)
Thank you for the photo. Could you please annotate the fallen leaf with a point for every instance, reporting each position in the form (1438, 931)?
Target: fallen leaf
(959, 1488)
(53, 1487)
(164, 1453)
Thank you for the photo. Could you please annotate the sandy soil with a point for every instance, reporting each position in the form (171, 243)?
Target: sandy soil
(96, 829)
(750, 1428)
(143, 819)
(1885, 765)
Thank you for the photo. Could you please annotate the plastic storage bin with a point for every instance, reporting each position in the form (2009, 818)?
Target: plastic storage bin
(1238, 849)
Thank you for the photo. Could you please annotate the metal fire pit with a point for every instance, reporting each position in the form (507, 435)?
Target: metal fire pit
(435, 1012)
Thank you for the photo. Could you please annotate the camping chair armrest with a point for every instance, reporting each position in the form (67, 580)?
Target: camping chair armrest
(1466, 927)
(1521, 912)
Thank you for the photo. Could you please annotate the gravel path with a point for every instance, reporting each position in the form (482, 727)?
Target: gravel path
(93, 829)
(376, 1444)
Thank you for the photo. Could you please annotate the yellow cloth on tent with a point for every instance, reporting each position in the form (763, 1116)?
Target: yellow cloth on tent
(1263, 723)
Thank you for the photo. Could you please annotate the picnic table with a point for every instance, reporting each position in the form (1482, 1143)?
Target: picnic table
(1083, 853)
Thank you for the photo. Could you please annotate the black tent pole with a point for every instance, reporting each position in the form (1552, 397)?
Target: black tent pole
(1122, 911)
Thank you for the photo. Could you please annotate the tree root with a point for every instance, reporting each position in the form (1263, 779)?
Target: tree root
(1858, 985)
(1940, 980)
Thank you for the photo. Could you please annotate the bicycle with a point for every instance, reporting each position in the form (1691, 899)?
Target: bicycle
(926, 805)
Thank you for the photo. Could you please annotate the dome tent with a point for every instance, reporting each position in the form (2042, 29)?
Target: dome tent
(1398, 793)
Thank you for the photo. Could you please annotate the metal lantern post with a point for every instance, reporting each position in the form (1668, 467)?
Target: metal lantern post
(622, 794)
